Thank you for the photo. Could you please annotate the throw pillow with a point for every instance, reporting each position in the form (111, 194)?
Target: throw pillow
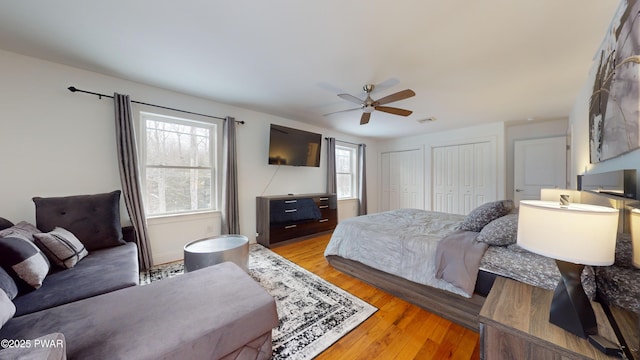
(93, 219)
(25, 263)
(8, 284)
(61, 247)
(22, 229)
(484, 214)
(7, 308)
(4, 223)
(501, 231)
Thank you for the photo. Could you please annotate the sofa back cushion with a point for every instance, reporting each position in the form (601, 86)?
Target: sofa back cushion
(93, 219)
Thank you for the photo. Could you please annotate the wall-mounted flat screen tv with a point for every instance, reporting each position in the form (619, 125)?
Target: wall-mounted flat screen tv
(293, 147)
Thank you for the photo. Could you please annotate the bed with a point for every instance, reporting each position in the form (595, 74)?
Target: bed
(396, 251)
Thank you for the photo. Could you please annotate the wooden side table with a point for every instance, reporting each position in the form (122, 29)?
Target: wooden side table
(514, 324)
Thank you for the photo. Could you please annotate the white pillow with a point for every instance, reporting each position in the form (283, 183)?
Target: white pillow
(61, 247)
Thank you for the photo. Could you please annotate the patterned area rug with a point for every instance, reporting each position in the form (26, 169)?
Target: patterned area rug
(313, 312)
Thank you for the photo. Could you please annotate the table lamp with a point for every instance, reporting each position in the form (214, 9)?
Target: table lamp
(574, 235)
(635, 236)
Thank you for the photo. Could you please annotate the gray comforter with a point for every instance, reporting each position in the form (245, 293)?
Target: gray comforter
(401, 242)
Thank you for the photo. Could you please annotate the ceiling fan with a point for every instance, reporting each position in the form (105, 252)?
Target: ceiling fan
(368, 105)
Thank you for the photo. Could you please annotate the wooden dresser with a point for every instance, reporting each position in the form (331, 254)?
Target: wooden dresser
(514, 324)
(285, 218)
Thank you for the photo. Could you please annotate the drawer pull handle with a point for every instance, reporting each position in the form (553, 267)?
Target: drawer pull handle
(290, 226)
(290, 201)
(324, 199)
(323, 220)
(290, 210)
(323, 206)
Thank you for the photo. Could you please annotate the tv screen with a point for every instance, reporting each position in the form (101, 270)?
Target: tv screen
(294, 147)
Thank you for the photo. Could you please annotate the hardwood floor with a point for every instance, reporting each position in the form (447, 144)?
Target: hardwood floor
(398, 330)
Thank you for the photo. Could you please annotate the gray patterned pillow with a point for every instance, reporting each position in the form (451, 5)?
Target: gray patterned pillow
(501, 231)
(22, 230)
(61, 247)
(7, 308)
(484, 214)
(24, 262)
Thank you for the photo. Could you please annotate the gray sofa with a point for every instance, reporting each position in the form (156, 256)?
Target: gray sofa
(97, 310)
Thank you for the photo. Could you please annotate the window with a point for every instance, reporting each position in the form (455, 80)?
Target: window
(346, 171)
(178, 164)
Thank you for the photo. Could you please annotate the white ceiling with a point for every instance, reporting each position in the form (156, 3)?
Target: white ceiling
(469, 62)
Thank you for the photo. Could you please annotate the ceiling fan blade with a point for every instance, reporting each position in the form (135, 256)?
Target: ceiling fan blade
(400, 95)
(341, 111)
(351, 98)
(395, 111)
(365, 118)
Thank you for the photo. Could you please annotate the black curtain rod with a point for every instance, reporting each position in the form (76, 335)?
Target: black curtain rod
(342, 141)
(74, 89)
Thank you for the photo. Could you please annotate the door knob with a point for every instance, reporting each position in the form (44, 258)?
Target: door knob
(519, 190)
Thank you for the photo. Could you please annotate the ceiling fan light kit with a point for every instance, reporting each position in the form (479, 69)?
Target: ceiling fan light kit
(368, 105)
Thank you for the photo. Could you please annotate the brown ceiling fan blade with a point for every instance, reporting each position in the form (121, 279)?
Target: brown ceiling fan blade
(400, 95)
(341, 111)
(365, 118)
(351, 98)
(393, 110)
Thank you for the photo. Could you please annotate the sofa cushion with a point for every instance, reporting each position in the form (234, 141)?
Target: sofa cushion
(211, 312)
(100, 272)
(22, 229)
(93, 219)
(26, 264)
(8, 284)
(61, 247)
(7, 309)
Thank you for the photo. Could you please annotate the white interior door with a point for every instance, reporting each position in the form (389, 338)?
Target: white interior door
(538, 164)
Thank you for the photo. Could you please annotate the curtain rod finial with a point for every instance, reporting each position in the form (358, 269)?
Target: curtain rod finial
(72, 88)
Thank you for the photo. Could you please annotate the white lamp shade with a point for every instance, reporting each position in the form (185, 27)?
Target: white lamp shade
(635, 236)
(580, 233)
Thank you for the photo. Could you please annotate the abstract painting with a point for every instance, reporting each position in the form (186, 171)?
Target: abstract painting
(614, 106)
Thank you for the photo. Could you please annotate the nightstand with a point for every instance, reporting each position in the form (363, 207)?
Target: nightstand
(514, 324)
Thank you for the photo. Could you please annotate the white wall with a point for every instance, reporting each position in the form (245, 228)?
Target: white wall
(579, 128)
(494, 133)
(58, 143)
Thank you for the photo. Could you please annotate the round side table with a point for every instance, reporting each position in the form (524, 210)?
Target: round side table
(218, 249)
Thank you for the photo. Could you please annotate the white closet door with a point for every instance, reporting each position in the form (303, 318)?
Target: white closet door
(411, 181)
(463, 177)
(445, 179)
(385, 168)
(466, 178)
(402, 180)
(484, 175)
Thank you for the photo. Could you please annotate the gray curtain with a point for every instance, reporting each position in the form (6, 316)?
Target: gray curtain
(230, 211)
(332, 187)
(129, 176)
(362, 179)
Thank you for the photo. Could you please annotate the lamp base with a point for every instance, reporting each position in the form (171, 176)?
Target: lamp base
(570, 307)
